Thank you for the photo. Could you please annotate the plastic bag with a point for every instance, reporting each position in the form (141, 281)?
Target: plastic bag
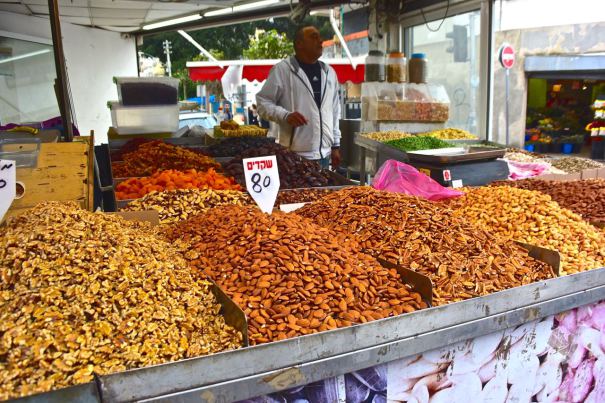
(524, 170)
(395, 176)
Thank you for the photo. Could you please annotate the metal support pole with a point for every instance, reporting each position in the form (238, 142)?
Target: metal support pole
(506, 111)
(61, 82)
(167, 50)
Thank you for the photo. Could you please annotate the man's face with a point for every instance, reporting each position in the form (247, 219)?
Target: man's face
(310, 44)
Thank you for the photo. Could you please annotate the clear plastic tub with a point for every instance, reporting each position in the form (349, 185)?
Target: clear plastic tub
(418, 68)
(404, 102)
(375, 66)
(144, 119)
(23, 151)
(139, 91)
(396, 68)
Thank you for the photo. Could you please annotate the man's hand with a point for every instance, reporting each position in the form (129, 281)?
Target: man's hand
(335, 158)
(295, 119)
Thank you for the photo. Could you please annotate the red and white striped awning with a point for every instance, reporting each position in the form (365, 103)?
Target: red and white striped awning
(259, 69)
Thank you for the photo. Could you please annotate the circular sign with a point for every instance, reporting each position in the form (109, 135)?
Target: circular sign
(507, 56)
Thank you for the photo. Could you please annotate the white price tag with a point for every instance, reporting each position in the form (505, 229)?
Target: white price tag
(457, 183)
(288, 208)
(262, 181)
(8, 185)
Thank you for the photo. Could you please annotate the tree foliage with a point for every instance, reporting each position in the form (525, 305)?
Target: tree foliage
(269, 45)
(225, 43)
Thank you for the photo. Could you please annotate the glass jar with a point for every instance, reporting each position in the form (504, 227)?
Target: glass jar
(396, 68)
(374, 66)
(418, 68)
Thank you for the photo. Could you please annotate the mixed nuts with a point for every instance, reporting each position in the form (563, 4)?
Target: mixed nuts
(177, 205)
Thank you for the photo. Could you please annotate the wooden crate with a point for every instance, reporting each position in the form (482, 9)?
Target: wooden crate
(64, 172)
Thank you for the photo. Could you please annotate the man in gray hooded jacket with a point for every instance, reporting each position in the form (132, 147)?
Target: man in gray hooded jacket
(301, 96)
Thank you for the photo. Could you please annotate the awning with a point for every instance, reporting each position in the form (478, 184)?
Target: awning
(258, 70)
(587, 66)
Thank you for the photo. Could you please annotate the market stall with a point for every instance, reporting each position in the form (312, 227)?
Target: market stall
(190, 293)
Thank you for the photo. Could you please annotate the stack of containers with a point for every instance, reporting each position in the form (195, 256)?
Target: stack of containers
(146, 105)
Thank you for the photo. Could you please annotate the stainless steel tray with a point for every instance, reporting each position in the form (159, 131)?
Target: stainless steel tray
(472, 154)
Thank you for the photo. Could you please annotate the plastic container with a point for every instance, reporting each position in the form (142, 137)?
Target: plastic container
(144, 119)
(404, 102)
(375, 66)
(140, 91)
(23, 151)
(396, 68)
(567, 148)
(418, 67)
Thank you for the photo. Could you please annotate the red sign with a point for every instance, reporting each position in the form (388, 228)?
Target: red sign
(507, 56)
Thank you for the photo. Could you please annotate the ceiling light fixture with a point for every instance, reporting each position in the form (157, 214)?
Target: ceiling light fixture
(242, 7)
(174, 21)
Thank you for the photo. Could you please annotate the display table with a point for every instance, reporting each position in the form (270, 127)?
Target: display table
(268, 368)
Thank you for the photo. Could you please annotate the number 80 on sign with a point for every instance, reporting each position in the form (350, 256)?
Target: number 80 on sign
(262, 181)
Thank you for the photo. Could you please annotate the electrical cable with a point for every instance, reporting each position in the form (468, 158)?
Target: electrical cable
(447, 9)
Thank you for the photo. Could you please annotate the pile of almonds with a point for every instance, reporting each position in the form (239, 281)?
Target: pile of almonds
(290, 276)
(584, 197)
(534, 218)
(85, 293)
(177, 205)
(462, 260)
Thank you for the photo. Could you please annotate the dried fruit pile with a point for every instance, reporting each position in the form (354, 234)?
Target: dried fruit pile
(294, 170)
(178, 205)
(128, 147)
(533, 217)
(301, 195)
(462, 260)
(584, 197)
(154, 156)
(134, 188)
(235, 145)
(291, 276)
(86, 292)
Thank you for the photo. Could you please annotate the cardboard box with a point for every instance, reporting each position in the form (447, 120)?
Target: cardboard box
(590, 173)
(62, 172)
(555, 177)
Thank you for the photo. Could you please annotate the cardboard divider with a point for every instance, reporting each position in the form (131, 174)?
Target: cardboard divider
(548, 256)
(419, 282)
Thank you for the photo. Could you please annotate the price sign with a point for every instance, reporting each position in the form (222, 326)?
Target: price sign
(8, 185)
(262, 181)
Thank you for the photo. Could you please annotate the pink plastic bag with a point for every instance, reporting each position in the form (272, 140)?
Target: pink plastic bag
(523, 170)
(395, 176)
